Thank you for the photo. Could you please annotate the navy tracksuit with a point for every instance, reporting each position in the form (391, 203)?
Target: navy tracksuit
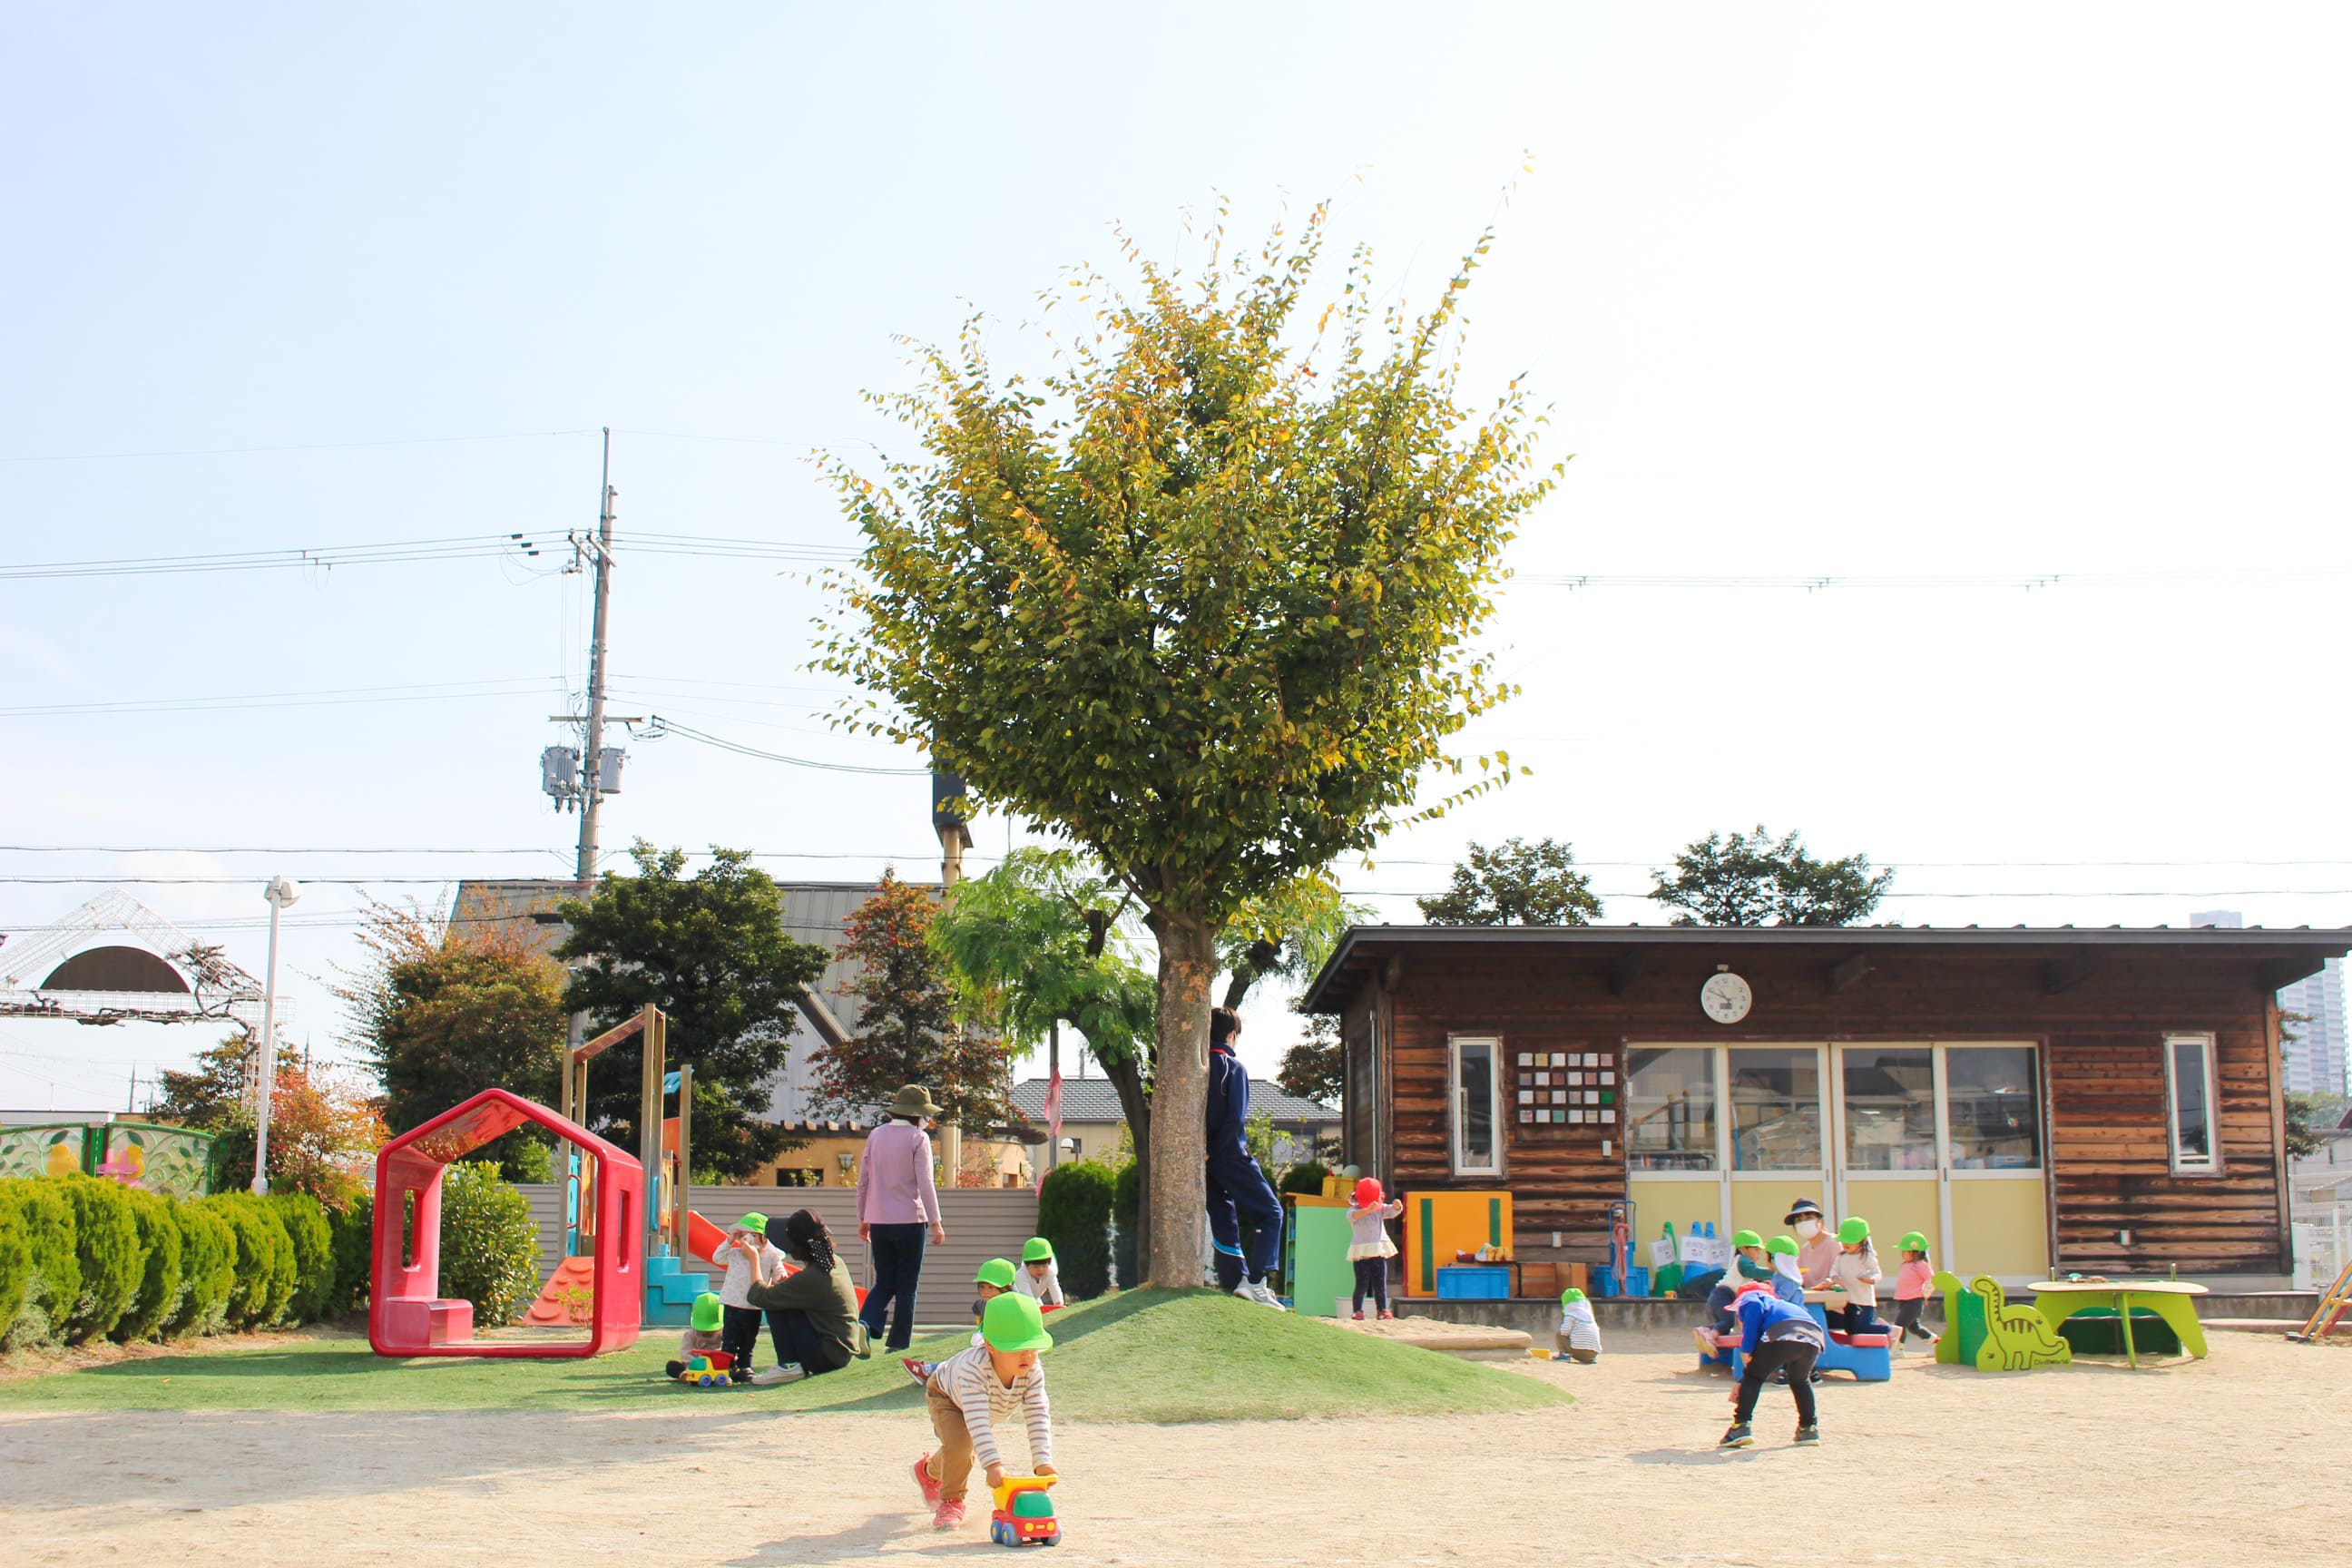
(1237, 1188)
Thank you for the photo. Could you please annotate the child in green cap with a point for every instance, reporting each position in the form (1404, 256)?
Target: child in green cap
(974, 1390)
(1913, 1283)
(993, 1280)
(1857, 1275)
(703, 1335)
(1579, 1335)
(1041, 1277)
(749, 1261)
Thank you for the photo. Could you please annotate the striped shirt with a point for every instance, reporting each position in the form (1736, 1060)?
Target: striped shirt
(968, 1377)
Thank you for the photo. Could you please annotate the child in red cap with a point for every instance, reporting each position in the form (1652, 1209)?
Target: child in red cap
(1369, 1246)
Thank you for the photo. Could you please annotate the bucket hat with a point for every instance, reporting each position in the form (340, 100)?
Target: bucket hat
(913, 1101)
(705, 1313)
(1013, 1322)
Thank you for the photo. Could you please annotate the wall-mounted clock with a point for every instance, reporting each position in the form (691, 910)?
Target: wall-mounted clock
(1726, 998)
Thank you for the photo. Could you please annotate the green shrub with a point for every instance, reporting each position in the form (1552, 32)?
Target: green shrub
(489, 1244)
(265, 1260)
(314, 1254)
(1304, 1179)
(105, 1246)
(16, 1264)
(353, 1226)
(1073, 1214)
(207, 1269)
(44, 1216)
(159, 1275)
(1127, 1208)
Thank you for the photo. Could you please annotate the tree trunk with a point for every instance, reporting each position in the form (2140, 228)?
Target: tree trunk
(1135, 1102)
(1180, 1093)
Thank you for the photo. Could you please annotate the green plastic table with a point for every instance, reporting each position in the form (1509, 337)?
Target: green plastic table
(2059, 1300)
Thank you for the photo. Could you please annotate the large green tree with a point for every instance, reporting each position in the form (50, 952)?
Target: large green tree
(710, 951)
(1515, 883)
(1204, 600)
(907, 1028)
(1755, 879)
(441, 1015)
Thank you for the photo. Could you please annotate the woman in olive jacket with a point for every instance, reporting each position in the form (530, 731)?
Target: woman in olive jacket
(812, 1314)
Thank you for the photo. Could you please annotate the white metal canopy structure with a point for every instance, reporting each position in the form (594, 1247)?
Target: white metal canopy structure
(169, 977)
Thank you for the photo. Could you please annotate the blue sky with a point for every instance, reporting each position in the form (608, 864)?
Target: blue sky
(1836, 291)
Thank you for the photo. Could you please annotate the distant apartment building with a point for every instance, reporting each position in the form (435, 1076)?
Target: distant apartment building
(2315, 1061)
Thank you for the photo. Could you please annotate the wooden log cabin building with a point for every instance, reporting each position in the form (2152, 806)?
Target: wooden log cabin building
(2034, 1099)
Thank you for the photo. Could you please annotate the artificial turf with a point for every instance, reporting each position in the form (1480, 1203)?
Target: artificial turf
(1142, 1355)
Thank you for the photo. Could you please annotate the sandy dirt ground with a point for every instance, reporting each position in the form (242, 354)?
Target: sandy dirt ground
(2241, 1458)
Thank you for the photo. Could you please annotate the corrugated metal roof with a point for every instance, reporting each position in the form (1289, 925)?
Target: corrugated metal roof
(1094, 1100)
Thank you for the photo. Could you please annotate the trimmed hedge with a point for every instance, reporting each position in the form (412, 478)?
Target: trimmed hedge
(489, 1244)
(159, 1280)
(1127, 1208)
(16, 1260)
(1073, 1214)
(38, 1209)
(265, 1260)
(314, 1254)
(353, 1226)
(106, 1246)
(207, 1271)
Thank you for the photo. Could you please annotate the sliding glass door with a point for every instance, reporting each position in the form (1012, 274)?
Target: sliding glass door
(1945, 1138)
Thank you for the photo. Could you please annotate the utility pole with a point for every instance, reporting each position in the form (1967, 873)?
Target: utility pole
(591, 755)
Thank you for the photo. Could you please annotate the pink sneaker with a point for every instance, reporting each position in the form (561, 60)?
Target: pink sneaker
(916, 1368)
(1387, 1316)
(1359, 1317)
(949, 1514)
(923, 1479)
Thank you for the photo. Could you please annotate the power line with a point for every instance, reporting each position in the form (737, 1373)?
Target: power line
(328, 697)
(660, 727)
(302, 447)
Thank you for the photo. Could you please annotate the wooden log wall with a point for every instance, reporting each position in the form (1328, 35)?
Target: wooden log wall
(2101, 1015)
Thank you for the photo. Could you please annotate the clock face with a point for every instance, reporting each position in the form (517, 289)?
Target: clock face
(1726, 998)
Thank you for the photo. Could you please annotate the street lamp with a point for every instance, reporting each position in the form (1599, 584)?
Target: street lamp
(280, 892)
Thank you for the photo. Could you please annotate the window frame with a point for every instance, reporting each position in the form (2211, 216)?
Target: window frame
(1455, 1103)
(2210, 1162)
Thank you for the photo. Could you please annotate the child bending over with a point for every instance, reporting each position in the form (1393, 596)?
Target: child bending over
(974, 1390)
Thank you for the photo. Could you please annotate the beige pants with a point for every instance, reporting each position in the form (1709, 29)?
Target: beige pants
(1582, 1358)
(951, 1464)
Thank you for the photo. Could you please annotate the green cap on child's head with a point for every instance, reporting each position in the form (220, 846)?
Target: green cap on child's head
(755, 1223)
(1781, 1247)
(705, 1313)
(1571, 1294)
(996, 1271)
(1853, 1228)
(1011, 1323)
(1913, 1241)
(1037, 1250)
(1745, 1239)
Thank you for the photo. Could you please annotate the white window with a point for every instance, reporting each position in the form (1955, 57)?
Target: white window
(2194, 1126)
(1477, 1083)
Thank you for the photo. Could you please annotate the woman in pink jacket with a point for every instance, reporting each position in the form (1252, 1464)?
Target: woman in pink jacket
(896, 1201)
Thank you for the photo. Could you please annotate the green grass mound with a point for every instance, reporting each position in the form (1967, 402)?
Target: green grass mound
(1144, 1355)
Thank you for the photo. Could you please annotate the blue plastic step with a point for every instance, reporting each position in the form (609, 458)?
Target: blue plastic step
(670, 1291)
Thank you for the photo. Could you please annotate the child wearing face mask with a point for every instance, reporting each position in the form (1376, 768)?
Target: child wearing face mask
(1817, 1245)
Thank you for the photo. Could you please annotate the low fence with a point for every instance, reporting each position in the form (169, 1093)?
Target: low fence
(981, 1223)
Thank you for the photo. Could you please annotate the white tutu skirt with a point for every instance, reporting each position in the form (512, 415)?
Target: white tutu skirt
(1360, 1250)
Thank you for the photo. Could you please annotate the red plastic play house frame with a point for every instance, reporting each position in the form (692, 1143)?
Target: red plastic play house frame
(407, 1316)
